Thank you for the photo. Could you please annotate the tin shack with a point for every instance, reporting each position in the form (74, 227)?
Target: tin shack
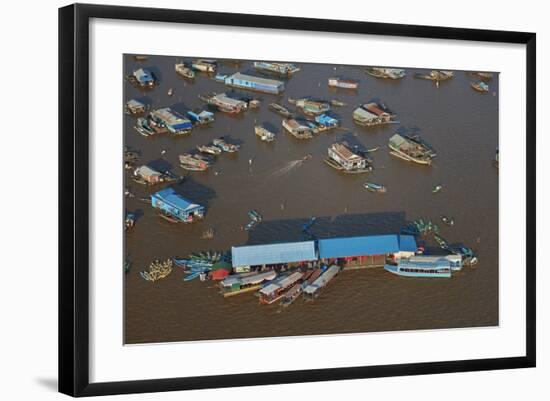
(175, 207)
(249, 82)
(289, 254)
(172, 121)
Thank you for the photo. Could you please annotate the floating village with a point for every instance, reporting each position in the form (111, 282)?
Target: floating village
(282, 273)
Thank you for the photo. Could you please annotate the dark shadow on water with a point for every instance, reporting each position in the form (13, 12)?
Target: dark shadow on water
(191, 189)
(50, 383)
(161, 165)
(345, 225)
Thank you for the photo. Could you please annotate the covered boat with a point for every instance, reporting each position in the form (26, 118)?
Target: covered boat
(314, 289)
(264, 134)
(276, 68)
(149, 176)
(277, 288)
(480, 86)
(411, 149)
(373, 113)
(205, 65)
(388, 73)
(310, 107)
(184, 71)
(297, 129)
(194, 162)
(372, 187)
(201, 117)
(225, 103)
(281, 110)
(238, 284)
(342, 83)
(225, 146)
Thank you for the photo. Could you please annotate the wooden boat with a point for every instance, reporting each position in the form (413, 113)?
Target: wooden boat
(388, 73)
(480, 86)
(264, 134)
(342, 83)
(281, 110)
(372, 187)
(184, 71)
(213, 150)
(310, 107)
(291, 295)
(336, 102)
(436, 75)
(298, 130)
(411, 149)
(194, 162)
(312, 291)
(226, 147)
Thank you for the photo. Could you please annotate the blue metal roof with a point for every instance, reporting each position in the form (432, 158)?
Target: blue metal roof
(255, 255)
(172, 198)
(407, 243)
(358, 246)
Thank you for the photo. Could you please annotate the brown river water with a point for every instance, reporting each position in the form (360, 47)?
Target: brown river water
(460, 123)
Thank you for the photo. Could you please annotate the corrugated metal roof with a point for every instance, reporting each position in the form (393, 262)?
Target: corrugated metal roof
(358, 246)
(251, 78)
(407, 243)
(363, 114)
(322, 280)
(169, 116)
(255, 255)
(146, 171)
(172, 198)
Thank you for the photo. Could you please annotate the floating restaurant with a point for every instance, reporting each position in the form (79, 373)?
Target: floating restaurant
(172, 121)
(249, 82)
(175, 208)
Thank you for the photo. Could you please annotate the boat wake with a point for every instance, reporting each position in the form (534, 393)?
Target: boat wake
(292, 165)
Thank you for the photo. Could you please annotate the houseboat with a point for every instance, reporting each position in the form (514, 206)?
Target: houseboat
(372, 187)
(342, 158)
(194, 162)
(205, 65)
(184, 71)
(436, 75)
(314, 289)
(148, 176)
(411, 149)
(281, 110)
(373, 113)
(225, 146)
(387, 73)
(134, 107)
(424, 268)
(277, 288)
(342, 83)
(291, 295)
(297, 129)
(258, 84)
(264, 134)
(310, 107)
(239, 284)
(175, 208)
(171, 120)
(480, 86)
(201, 118)
(326, 122)
(142, 78)
(224, 103)
(276, 68)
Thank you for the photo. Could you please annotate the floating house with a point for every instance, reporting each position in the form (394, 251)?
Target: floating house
(147, 175)
(226, 103)
(297, 129)
(184, 71)
(172, 121)
(411, 149)
(175, 207)
(326, 121)
(366, 251)
(290, 253)
(276, 68)
(202, 118)
(134, 107)
(144, 78)
(310, 107)
(205, 65)
(341, 157)
(249, 82)
(372, 113)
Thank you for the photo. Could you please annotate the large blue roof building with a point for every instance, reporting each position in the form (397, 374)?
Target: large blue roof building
(175, 207)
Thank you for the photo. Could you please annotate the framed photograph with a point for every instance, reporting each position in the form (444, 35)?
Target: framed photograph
(250, 199)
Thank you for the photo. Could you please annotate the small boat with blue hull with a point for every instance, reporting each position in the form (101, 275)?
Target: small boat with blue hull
(437, 268)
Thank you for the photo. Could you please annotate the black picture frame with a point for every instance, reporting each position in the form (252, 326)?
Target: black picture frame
(74, 199)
